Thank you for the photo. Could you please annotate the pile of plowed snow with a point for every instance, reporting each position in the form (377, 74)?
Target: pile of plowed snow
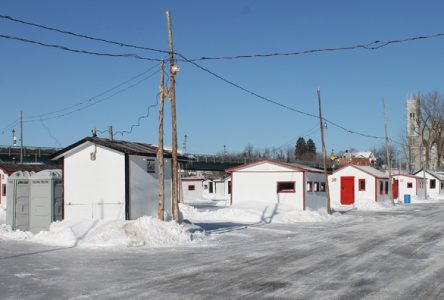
(143, 232)
(252, 215)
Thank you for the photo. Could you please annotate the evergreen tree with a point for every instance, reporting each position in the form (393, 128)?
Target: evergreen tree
(311, 150)
(300, 149)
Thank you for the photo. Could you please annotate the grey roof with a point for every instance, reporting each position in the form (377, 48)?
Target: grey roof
(437, 174)
(131, 148)
(305, 167)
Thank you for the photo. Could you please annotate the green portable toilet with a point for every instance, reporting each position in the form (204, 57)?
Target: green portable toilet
(45, 199)
(17, 210)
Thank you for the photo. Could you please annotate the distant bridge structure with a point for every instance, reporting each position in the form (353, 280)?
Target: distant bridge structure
(204, 162)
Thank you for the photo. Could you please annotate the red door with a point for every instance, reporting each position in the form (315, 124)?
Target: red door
(347, 190)
(395, 189)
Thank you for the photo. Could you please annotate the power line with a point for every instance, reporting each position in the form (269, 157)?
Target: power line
(122, 132)
(269, 100)
(93, 103)
(96, 96)
(50, 133)
(377, 44)
(81, 35)
(11, 125)
(60, 47)
(369, 46)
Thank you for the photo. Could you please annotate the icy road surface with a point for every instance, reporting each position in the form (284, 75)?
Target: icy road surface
(396, 254)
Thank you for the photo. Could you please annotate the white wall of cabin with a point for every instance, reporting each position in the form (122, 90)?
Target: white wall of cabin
(94, 188)
(259, 189)
(361, 197)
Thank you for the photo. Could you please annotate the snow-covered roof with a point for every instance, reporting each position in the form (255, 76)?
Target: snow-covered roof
(437, 174)
(292, 166)
(363, 154)
(56, 173)
(372, 171)
(367, 169)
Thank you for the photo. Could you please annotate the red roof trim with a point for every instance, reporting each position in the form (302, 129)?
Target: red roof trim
(357, 167)
(266, 161)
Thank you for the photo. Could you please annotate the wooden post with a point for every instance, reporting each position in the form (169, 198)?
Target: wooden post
(110, 131)
(21, 137)
(389, 159)
(172, 96)
(160, 166)
(324, 153)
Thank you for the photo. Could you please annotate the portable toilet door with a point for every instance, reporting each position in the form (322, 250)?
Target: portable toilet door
(46, 199)
(17, 211)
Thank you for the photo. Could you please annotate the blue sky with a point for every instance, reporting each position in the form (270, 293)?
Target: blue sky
(39, 80)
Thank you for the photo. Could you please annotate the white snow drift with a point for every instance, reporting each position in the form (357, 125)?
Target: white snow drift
(145, 231)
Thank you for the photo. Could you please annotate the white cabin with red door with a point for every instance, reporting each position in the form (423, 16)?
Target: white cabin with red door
(271, 186)
(405, 184)
(357, 186)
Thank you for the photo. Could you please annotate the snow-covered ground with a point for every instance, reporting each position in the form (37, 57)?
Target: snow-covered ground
(388, 254)
(149, 232)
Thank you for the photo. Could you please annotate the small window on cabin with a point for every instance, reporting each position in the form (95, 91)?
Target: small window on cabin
(3, 189)
(409, 185)
(361, 184)
(432, 183)
(381, 187)
(229, 187)
(442, 185)
(316, 187)
(205, 186)
(309, 186)
(322, 186)
(386, 190)
(286, 187)
(191, 187)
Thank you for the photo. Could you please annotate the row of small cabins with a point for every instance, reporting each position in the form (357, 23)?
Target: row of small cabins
(104, 179)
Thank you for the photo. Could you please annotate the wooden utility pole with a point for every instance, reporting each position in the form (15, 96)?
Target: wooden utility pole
(110, 132)
(389, 159)
(172, 96)
(21, 137)
(161, 177)
(324, 152)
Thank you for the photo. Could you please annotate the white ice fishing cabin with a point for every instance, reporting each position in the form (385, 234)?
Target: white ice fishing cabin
(406, 184)
(267, 184)
(112, 179)
(192, 189)
(435, 182)
(354, 186)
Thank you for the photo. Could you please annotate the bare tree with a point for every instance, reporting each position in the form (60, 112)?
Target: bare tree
(430, 126)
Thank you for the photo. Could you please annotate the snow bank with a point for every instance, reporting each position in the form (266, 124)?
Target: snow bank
(430, 199)
(143, 232)
(2, 215)
(6, 233)
(371, 205)
(251, 215)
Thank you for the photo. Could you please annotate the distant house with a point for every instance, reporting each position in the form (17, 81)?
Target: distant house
(6, 169)
(192, 189)
(112, 179)
(267, 184)
(435, 182)
(406, 184)
(365, 158)
(354, 185)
